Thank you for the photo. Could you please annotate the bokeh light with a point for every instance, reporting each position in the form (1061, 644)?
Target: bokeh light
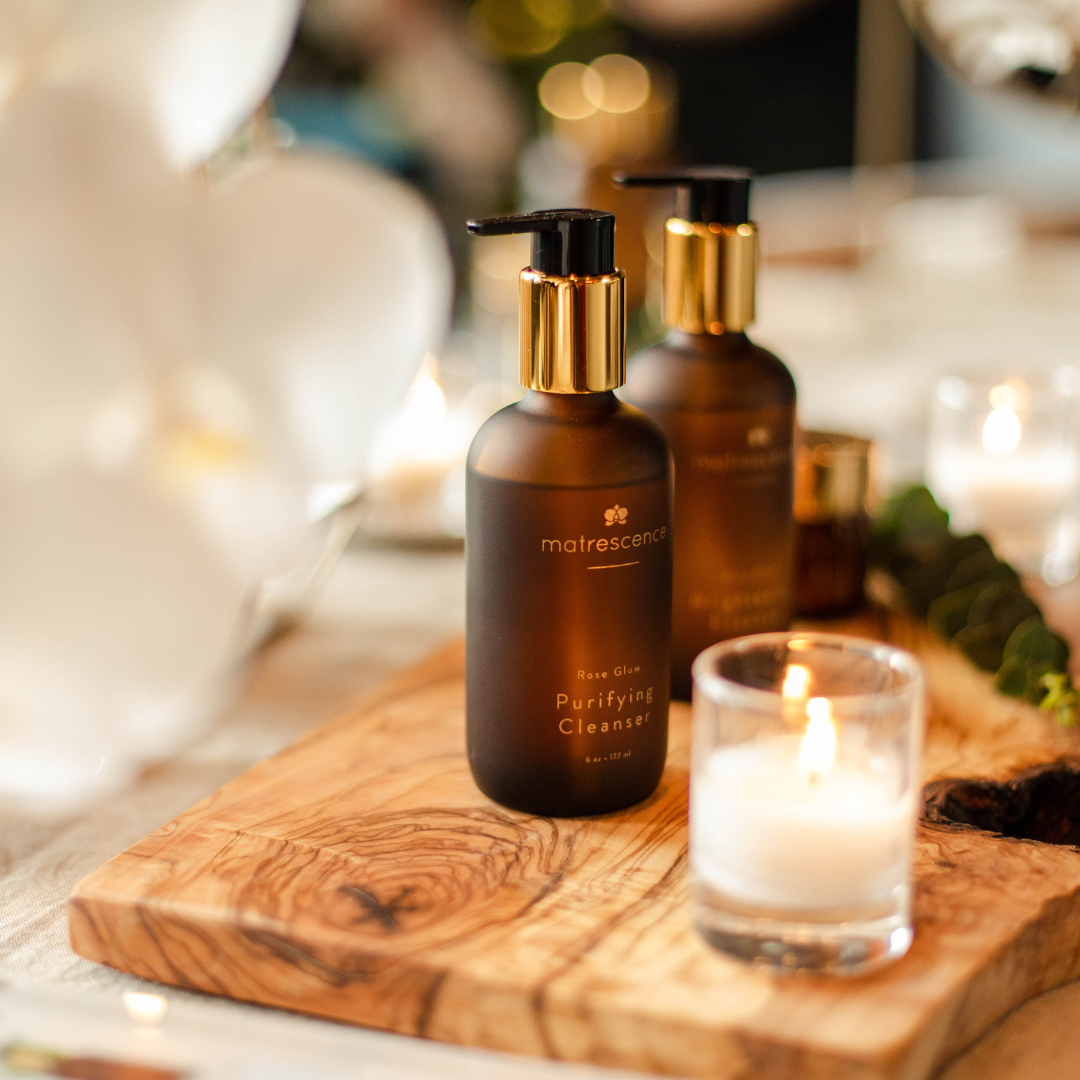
(521, 28)
(620, 84)
(571, 91)
(145, 1008)
(614, 109)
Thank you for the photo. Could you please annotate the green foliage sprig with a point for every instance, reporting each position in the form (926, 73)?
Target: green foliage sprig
(975, 600)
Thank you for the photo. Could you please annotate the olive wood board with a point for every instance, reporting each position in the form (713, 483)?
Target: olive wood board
(360, 875)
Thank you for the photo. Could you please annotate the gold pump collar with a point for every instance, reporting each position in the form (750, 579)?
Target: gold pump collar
(573, 332)
(710, 272)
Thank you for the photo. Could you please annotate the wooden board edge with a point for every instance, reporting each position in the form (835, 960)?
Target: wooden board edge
(972, 1012)
(98, 915)
(631, 1040)
(446, 664)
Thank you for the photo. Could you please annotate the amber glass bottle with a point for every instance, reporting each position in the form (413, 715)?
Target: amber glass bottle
(568, 549)
(727, 407)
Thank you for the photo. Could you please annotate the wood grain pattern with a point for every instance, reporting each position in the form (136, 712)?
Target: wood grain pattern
(360, 875)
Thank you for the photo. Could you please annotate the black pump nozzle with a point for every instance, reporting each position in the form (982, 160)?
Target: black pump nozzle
(564, 242)
(711, 193)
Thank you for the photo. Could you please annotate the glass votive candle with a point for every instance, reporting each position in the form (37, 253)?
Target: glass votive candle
(803, 799)
(1003, 458)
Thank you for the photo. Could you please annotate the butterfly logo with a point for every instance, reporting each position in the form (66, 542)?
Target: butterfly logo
(616, 515)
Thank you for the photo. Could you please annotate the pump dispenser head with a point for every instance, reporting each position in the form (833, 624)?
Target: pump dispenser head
(571, 309)
(710, 248)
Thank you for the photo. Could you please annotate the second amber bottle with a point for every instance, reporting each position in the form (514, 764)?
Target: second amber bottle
(727, 407)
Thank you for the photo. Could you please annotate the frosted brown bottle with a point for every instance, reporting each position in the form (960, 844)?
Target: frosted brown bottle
(727, 407)
(568, 548)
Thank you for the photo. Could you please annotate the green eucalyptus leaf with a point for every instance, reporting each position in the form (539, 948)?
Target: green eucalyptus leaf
(923, 584)
(983, 566)
(982, 645)
(948, 614)
(913, 512)
(963, 547)
(1012, 678)
(1034, 643)
(1004, 605)
(1035, 690)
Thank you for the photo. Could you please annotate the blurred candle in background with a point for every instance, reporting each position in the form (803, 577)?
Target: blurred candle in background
(413, 455)
(1004, 460)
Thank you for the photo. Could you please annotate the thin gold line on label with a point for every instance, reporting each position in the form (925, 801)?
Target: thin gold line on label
(615, 566)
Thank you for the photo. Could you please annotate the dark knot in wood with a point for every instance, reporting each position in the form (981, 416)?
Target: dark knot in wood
(384, 913)
(1040, 804)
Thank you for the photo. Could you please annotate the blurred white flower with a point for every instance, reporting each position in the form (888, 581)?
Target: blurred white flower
(195, 69)
(177, 371)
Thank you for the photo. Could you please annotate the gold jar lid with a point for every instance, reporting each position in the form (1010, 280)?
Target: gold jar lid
(832, 476)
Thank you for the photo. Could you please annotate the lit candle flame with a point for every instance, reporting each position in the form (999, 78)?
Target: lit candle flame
(796, 681)
(422, 436)
(1001, 432)
(425, 410)
(145, 1008)
(818, 749)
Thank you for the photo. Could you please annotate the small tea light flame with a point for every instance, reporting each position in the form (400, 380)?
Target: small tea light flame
(423, 415)
(422, 436)
(145, 1008)
(818, 749)
(796, 681)
(1001, 431)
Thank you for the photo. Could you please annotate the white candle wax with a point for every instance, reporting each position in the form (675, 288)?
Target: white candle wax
(1018, 490)
(764, 834)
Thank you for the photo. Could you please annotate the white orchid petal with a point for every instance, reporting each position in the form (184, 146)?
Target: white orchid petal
(195, 69)
(327, 282)
(209, 64)
(176, 373)
(89, 201)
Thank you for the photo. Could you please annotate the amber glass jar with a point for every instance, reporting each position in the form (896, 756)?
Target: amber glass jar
(832, 530)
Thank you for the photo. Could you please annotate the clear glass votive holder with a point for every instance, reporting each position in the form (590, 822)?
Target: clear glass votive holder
(1003, 457)
(803, 799)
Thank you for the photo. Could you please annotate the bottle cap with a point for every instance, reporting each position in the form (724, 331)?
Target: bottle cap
(572, 318)
(710, 248)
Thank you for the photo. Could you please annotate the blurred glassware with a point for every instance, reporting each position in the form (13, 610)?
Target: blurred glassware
(1027, 49)
(431, 99)
(952, 231)
(1003, 458)
(194, 69)
(190, 378)
(551, 172)
(493, 280)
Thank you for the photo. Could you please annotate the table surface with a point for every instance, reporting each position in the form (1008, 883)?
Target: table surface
(864, 360)
(383, 609)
